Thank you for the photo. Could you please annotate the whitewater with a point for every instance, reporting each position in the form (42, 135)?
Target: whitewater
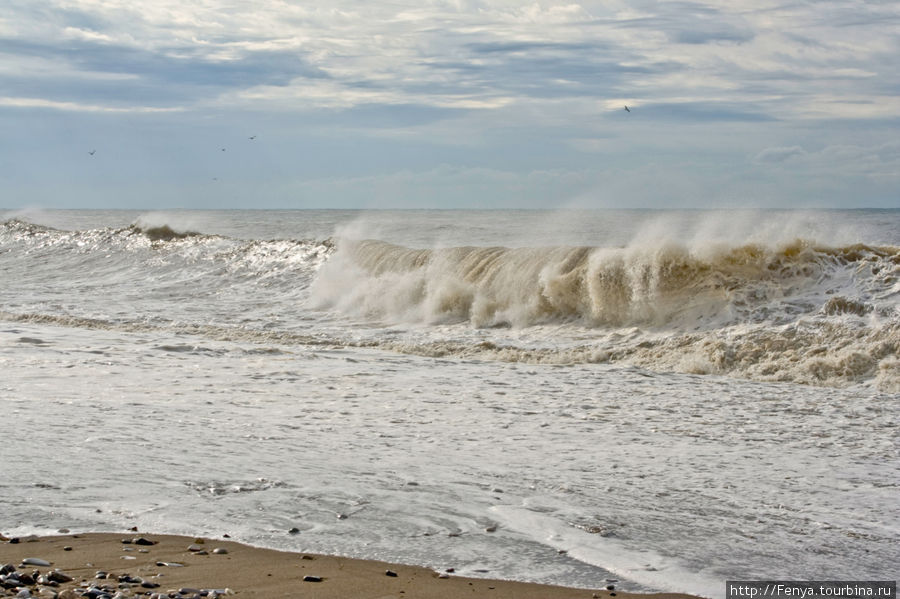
(669, 399)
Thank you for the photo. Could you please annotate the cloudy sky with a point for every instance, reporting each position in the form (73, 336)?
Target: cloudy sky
(449, 103)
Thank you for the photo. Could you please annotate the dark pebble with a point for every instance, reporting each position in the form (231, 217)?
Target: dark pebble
(610, 587)
(67, 548)
(390, 573)
(57, 576)
(294, 531)
(143, 541)
(312, 579)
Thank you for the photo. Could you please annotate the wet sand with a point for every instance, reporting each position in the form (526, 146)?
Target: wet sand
(174, 563)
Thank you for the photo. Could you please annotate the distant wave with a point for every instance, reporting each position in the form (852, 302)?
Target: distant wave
(163, 233)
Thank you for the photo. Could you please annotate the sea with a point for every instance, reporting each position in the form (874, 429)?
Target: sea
(659, 400)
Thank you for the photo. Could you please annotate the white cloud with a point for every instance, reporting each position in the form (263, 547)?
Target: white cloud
(777, 155)
(478, 54)
(19, 102)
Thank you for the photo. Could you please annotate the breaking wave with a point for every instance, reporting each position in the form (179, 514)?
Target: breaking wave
(799, 311)
(666, 285)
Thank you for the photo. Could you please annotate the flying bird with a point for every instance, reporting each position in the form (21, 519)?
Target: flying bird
(92, 152)
(627, 109)
(252, 137)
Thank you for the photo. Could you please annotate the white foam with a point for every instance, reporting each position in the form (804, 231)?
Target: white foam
(641, 565)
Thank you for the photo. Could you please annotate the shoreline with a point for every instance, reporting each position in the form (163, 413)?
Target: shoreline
(150, 565)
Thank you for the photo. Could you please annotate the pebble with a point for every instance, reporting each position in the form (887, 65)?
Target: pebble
(390, 573)
(59, 576)
(220, 551)
(312, 579)
(35, 561)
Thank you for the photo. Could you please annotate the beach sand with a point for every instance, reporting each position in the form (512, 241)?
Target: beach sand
(175, 562)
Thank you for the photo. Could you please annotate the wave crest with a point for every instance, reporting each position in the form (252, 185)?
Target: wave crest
(664, 285)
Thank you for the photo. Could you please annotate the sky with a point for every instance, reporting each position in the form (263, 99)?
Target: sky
(449, 104)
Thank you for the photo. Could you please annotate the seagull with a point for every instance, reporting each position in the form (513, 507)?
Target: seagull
(627, 109)
(252, 137)
(92, 152)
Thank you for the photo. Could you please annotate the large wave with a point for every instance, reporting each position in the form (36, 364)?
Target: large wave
(668, 284)
(796, 311)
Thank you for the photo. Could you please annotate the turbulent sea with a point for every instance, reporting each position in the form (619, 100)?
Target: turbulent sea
(667, 399)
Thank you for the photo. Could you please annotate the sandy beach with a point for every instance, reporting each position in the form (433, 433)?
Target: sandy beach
(141, 564)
